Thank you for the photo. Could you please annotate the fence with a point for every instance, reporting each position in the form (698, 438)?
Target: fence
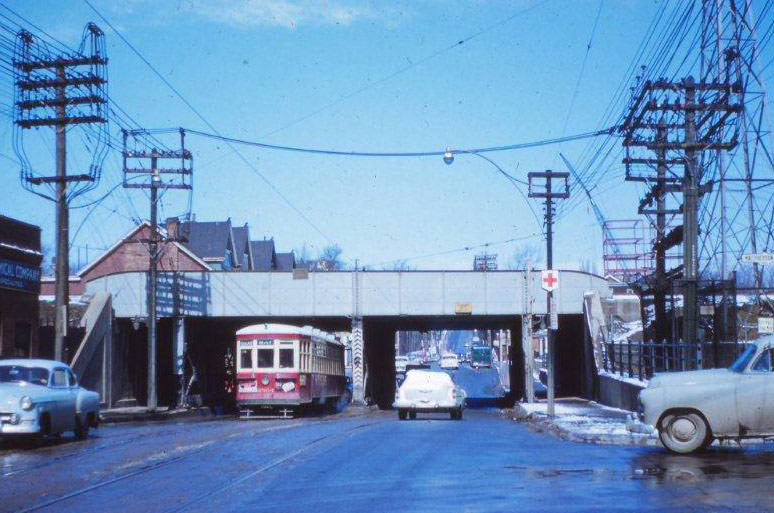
(643, 359)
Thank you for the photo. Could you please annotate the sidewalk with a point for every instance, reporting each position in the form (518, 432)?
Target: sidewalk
(579, 420)
(141, 414)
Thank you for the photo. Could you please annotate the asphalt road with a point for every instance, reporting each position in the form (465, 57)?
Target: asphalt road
(369, 461)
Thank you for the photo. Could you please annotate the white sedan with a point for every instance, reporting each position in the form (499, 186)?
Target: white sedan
(450, 361)
(42, 397)
(690, 409)
(429, 392)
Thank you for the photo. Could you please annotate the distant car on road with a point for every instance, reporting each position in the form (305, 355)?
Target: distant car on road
(690, 409)
(429, 392)
(400, 363)
(450, 361)
(42, 397)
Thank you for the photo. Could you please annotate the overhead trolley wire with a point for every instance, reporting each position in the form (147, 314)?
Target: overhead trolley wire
(210, 125)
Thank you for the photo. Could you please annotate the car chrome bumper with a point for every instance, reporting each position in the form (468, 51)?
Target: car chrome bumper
(24, 427)
(425, 407)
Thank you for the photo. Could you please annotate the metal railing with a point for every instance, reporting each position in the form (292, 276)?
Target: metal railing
(642, 359)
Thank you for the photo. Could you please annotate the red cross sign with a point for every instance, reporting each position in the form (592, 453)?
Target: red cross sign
(550, 280)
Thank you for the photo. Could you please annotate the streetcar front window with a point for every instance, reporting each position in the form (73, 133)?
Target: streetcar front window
(286, 358)
(266, 358)
(246, 358)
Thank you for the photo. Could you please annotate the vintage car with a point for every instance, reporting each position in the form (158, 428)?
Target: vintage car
(42, 397)
(450, 361)
(690, 409)
(428, 392)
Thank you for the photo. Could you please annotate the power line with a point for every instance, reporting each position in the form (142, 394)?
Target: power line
(431, 153)
(456, 250)
(211, 127)
(402, 70)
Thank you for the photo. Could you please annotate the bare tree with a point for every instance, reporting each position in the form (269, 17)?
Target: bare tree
(522, 255)
(329, 258)
(588, 266)
(397, 265)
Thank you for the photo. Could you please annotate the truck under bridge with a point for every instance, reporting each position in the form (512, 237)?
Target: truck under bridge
(199, 313)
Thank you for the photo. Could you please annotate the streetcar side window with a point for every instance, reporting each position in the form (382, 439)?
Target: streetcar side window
(246, 359)
(286, 358)
(266, 358)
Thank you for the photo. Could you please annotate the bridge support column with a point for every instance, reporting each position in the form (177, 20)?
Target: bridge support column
(358, 362)
(178, 357)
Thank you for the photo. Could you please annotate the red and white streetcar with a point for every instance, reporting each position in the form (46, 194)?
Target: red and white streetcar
(282, 368)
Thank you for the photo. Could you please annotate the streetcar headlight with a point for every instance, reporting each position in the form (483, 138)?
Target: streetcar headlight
(265, 380)
(26, 403)
(302, 380)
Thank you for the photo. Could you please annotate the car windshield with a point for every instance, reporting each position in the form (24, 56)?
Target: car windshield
(22, 374)
(743, 359)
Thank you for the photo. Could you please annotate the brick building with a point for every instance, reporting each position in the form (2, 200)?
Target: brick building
(187, 246)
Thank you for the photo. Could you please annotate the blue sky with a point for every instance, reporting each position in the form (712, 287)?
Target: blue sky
(252, 67)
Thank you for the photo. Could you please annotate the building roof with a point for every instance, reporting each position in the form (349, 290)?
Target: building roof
(209, 240)
(241, 236)
(130, 236)
(263, 255)
(286, 261)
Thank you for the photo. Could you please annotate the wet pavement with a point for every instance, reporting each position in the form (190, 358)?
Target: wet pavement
(367, 460)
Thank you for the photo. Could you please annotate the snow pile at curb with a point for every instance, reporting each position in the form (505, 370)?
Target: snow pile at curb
(587, 422)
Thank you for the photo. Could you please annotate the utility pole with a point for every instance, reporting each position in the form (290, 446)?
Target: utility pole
(526, 335)
(690, 217)
(181, 179)
(683, 111)
(540, 186)
(78, 83)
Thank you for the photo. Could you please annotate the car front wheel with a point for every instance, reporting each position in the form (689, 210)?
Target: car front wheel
(683, 432)
(81, 428)
(402, 414)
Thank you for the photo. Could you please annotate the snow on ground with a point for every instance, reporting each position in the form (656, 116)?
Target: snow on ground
(585, 421)
(633, 381)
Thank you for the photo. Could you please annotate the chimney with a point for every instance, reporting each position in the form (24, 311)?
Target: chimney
(173, 223)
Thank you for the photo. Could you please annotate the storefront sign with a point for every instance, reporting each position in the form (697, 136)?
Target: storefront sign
(17, 276)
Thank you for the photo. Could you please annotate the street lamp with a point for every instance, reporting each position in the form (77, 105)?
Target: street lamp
(448, 156)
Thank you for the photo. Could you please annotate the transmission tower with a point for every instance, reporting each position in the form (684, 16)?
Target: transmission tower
(60, 90)
(701, 148)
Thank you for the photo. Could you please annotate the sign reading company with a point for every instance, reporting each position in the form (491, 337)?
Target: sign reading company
(17, 276)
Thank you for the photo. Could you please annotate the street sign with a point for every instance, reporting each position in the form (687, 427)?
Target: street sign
(706, 309)
(549, 280)
(759, 258)
(765, 325)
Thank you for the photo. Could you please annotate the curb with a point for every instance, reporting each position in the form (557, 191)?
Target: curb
(541, 424)
(108, 417)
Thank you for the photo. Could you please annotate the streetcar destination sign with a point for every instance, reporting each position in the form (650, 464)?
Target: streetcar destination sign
(759, 258)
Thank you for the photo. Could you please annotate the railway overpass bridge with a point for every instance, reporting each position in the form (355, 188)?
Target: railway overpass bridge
(201, 311)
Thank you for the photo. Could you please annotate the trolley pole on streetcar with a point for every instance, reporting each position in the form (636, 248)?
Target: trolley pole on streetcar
(540, 186)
